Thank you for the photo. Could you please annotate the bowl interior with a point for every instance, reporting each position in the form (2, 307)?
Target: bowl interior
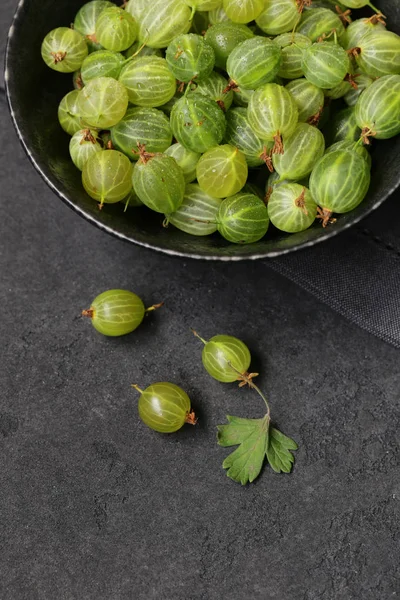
(34, 92)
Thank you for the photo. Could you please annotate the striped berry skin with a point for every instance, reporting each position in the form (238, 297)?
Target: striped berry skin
(302, 149)
(86, 18)
(107, 176)
(340, 181)
(148, 127)
(377, 111)
(292, 46)
(159, 183)
(278, 16)
(215, 87)
(240, 135)
(165, 407)
(354, 146)
(243, 11)
(308, 97)
(243, 218)
(291, 208)
(160, 20)
(272, 112)
(222, 171)
(254, 62)
(190, 57)
(317, 23)
(116, 312)
(203, 5)
(64, 50)
(102, 102)
(352, 96)
(186, 159)
(68, 114)
(379, 54)
(325, 64)
(357, 29)
(148, 81)
(225, 357)
(83, 144)
(224, 37)
(102, 63)
(198, 212)
(197, 122)
(116, 29)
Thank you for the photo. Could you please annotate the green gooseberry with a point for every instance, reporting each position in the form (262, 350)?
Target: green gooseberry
(159, 182)
(68, 113)
(159, 20)
(190, 57)
(116, 29)
(165, 407)
(378, 53)
(102, 63)
(85, 21)
(292, 45)
(302, 149)
(339, 182)
(278, 16)
(83, 144)
(253, 63)
(226, 358)
(117, 312)
(291, 208)
(148, 81)
(147, 127)
(186, 159)
(197, 122)
(352, 96)
(354, 146)
(243, 11)
(64, 50)
(222, 171)
(377, 111)
(272, 114)
(216, 87)
(325, 64)
(197, 215)
(224, 37)
(357, 29)
(318, 23)
(243, 218)
(309, 100)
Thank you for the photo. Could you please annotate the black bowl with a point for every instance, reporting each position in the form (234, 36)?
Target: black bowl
(34, 92)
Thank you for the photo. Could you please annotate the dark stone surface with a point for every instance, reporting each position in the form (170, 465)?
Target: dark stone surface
(95, 506)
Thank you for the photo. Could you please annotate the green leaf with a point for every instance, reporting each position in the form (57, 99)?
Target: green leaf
(278, 451)
(244, 464)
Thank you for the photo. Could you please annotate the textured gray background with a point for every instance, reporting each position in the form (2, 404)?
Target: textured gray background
(94, 506)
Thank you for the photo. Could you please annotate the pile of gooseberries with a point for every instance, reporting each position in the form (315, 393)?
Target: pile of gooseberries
(186, 107)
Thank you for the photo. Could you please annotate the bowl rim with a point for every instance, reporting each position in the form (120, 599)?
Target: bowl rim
(329, 233)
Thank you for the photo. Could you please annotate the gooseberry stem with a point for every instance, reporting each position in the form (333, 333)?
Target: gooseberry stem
(191, 418)
(88, 313)
(154, 307)
(137, 388)
(248, 379)
(197, 335)
(374, 7)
